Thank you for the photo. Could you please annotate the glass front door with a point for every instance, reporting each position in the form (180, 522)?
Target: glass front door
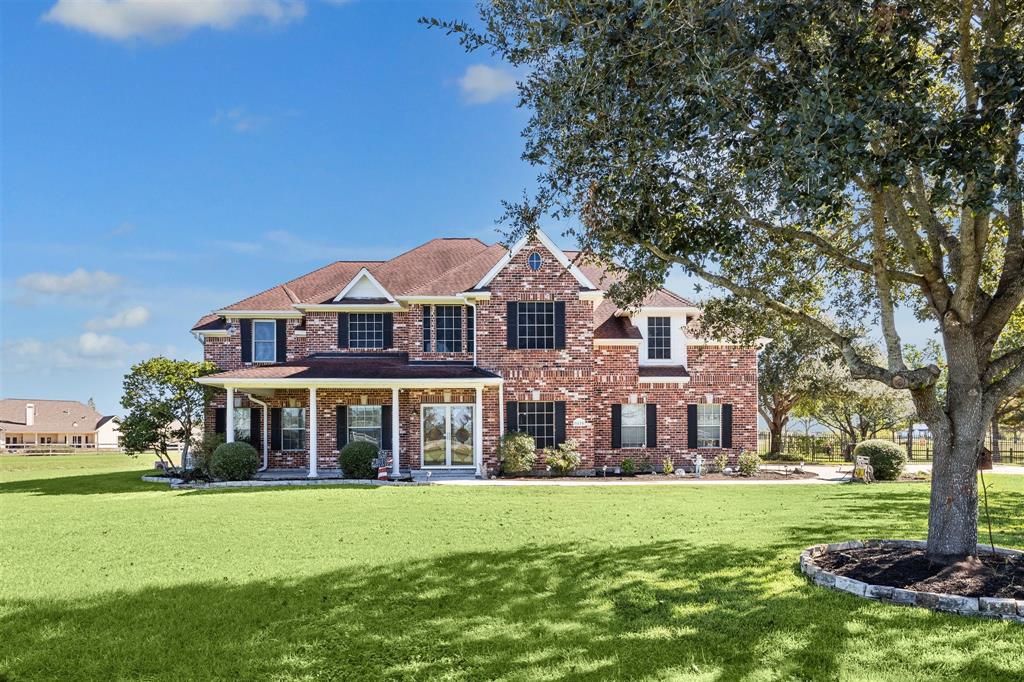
(447, 433)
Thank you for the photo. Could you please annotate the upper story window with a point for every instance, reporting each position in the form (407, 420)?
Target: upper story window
(366, 330)
(536, 324)
(659, 338)
(364, 424)
(264, 340)
(634, 426)
(534, 261)
(448, 320)
(709, 426)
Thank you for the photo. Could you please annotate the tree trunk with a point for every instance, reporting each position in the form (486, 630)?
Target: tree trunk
(775, 446)
(953, 513)
(995, 437)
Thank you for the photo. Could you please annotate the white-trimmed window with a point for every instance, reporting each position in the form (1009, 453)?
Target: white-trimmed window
(536, 324)
(243, 424)
(293, 428)
(634, 426)
(448, 323)
(366, 330)
(659, 338)
(364, 424)
(264, 341)
(538, 420)
(709, 426)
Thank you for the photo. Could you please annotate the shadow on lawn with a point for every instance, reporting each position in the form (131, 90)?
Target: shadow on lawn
(564, 611)
(87, 484)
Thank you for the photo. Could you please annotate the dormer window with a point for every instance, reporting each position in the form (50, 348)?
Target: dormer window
(264, 340)
(659, 338)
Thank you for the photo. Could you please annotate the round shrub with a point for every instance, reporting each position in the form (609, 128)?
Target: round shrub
(887, 459)
(748, 463)
(356, 460)
(563, 458)
(518, 452)
(234, 462)
(721, 461)
(628, 466)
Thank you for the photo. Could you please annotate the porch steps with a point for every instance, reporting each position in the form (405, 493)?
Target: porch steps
(421, 475)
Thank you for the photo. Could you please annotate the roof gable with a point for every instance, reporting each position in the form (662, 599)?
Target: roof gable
(559, 255)
(364, 286)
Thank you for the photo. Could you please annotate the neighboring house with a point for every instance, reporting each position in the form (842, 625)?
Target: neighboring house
(26, 423)
(437, 352)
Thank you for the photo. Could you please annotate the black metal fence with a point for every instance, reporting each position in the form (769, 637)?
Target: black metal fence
(829, 447)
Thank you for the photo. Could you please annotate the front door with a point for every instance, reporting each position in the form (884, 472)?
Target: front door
(447, 435)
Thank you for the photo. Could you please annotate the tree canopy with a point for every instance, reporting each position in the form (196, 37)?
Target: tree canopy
(831, 160)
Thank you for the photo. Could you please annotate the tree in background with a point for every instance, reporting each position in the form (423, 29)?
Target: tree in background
(779, 148)
(91, 404)
(859, 409)
(164, 404)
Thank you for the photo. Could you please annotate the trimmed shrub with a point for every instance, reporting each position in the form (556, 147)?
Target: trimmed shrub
(748, 463)
(628, 466)
(667, 467)
(721, 461)
(645, 466)
(356, 460)
(517, 452)
(234, 462)
(887, 459)
(563, 458)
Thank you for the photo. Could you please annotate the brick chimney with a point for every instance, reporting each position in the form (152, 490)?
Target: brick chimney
(30, 414)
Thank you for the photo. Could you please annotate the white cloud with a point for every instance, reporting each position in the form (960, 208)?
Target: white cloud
(135, 316)
(481, 84)
(90, 350)
(78, 282)
(240, 120)
(162, 19)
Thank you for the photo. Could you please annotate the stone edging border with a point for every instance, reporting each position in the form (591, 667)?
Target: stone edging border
(271, 483)
(988, 607)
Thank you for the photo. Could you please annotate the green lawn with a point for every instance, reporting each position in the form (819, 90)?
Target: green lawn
(105, 577)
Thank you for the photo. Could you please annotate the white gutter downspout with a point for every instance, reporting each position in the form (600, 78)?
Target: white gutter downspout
(266, 460)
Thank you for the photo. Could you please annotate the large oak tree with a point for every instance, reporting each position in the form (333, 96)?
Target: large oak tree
(777, 149)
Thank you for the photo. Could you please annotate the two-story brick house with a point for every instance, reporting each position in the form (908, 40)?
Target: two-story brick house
(437, 352)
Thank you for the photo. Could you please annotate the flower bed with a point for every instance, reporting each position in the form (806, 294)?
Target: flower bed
(897, 572)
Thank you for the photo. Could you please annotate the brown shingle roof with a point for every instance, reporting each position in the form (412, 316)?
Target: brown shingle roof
(350, 366)
(60, 416)
(602, 278)
(209, 323)
(305, 289)
(608, 326)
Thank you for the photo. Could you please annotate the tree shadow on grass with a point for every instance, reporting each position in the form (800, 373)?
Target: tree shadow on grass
(86, 484)
(560, 611)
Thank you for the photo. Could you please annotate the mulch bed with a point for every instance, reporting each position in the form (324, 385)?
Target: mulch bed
(659, 478)
(909, 569)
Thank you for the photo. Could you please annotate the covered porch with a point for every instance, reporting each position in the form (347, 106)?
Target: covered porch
(441, 418)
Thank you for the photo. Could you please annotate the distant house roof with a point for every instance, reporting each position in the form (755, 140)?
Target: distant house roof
(57, 416)
(440, 267)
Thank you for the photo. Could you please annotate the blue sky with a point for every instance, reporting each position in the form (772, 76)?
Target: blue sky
(164, 159)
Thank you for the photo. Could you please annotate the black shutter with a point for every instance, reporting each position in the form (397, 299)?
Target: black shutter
(275, 428)
(512, 325)
(691, 426)
(341, 426)
(616, 426)
(511, 417)
(255, 435)
(652, 425)
(389, 330)
(220, 420)
(246, 340)
(726, 426)
(282, 340)
(385, 427)
(342, 330)
(559, 324)
(559, 422)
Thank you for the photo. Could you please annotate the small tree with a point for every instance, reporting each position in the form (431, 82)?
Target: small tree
(862, 409)
(164, 404)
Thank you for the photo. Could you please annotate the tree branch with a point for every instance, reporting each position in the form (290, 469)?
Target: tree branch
(883, 287)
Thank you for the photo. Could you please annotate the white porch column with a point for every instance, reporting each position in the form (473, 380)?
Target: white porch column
(229, 426)
(312, 432)
(478, 430)
(395, 437)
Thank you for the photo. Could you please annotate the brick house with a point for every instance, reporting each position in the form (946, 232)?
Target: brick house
(435, 353)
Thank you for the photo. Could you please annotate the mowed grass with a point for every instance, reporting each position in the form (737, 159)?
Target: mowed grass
(103, 576)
